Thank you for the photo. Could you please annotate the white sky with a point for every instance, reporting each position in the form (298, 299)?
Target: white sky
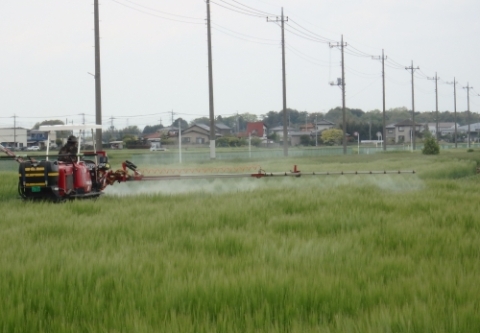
(152, 65)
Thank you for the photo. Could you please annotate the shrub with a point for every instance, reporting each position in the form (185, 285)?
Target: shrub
(431, 146)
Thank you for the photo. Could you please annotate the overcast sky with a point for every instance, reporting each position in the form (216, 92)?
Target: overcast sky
(154, 57)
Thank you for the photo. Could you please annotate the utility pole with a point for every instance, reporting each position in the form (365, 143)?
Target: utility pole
(285, 132)
(210, 86)
(14, 131)
(180, 140)
(412, 69)
(342, 83)
(384, 135)
(83, 131)
(316, 131)
(468, 110)
(238, 126)
(436, 78)
(98, 90)
(111, 124)
(455, 106)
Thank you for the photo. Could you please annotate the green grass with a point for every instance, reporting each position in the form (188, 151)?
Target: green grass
(386, 253)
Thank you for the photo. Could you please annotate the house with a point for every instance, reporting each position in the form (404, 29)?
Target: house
(258, 129)
(307, 127)
(443, 128)
(40, 138)
(323, 125)
(279, 130)
(390, 133)
(223, 129)
(115, 144)
(197, 134)
(404, 130)
(474, 131)
(295, 136)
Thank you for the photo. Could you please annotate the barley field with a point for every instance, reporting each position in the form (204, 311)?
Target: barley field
(347, 253)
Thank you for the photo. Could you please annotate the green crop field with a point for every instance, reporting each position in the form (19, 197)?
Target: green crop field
(350, 253)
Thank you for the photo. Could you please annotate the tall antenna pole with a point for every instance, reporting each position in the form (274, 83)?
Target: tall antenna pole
(436, 78)
(412, 69)
(468, 110)
(284, 84)
(98, 90)
(342, 46)
(210, 86)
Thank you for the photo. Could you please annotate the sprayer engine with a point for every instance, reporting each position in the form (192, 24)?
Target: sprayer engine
(61, 180)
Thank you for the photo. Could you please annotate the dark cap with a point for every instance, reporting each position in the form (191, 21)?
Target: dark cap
(72, 139)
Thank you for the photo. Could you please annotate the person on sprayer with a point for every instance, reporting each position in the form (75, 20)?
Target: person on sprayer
(68, 152)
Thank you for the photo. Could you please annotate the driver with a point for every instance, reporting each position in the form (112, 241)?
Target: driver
(69, 151)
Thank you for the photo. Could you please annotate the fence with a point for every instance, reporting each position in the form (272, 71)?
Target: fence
(203, 155)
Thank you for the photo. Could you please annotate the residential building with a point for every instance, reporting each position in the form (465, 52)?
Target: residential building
(404, 130)
(14, 137)
(197, 134)
(443, 128)
(258, 129)
(323, 125)
(391, 133)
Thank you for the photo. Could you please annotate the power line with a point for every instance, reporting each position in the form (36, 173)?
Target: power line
(237, 10)
(162, 12)
(306, 57)
(326, 40)
(219, 28)
(254, 9)
(155, 15)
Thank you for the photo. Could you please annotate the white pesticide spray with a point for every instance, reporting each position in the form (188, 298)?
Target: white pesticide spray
(391, 183)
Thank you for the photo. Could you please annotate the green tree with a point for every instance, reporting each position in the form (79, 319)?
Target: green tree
(332, 136)
(306, 140)
(256, 141)
(48, 122)
(201, 120)
(274, 137)
(430, 144)
(182, 122)
(151, 129)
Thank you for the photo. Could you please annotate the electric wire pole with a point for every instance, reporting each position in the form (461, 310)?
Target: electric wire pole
(14, 131)
(98, 90)
(412, 69)
(436, 78)
(210, 86)
(455, 106)
(384, 135)
(342, 46)
(284, 84)
(468, 110)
